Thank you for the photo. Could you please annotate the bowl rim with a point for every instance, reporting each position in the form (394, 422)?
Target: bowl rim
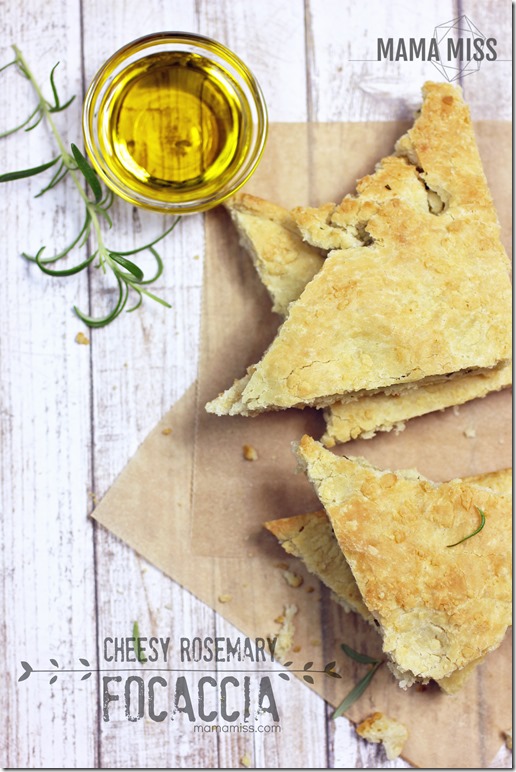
(143, 43)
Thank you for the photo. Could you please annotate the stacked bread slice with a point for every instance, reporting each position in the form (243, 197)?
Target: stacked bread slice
(409, 311)
(383, 545)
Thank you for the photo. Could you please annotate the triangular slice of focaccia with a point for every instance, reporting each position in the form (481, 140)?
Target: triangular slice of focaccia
(310, 538)
(425, 296)
(439, 607)
(285, 264)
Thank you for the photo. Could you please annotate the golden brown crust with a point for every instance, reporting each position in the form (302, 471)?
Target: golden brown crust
(381, 412)
(284, 262)
(378, 728)
(442, 277)
(442, 608)
(310, 537)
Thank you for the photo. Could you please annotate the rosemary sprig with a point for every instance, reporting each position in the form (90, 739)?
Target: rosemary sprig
(477, 530)
(97, 202)
(362, 685)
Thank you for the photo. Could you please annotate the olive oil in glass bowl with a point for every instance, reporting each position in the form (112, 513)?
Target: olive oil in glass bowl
(174, 122)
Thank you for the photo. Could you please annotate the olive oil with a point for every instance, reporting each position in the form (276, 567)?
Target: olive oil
(174, 125)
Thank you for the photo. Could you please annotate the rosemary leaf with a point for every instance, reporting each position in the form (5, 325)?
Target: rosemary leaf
(88, 173)
(10, 176)
(97, 201)
(357, 691)
(482, 524)
(66, 271)
(140, 656)
(102, 321)
(363, 658)
(53, 85)
(159, 270)
(156, 298)
(153, 242)
(83, 234)
(128, 265)
(138, 303)
(20, 125)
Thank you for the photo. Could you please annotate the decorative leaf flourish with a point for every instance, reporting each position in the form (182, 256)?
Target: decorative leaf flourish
(54, 662)
(129, 276)
(85, 676)
(53, 680)
(27, 670)
(84, 662)
(329, 670)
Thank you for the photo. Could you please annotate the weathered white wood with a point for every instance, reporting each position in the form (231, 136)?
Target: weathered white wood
(141, 365)
(270, 38)
(347, 81)
(48, 597)
(72, 415)
(348, 751)
(162, 343)
(488, 91)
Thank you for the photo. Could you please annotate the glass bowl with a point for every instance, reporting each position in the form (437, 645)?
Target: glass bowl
(174, 122)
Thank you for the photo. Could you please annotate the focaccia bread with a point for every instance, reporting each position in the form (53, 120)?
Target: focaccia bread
(378, 728)
(267, 231)
(425, 296)
(284, 262)
(310, 538)
(364, 417)
(439, 607)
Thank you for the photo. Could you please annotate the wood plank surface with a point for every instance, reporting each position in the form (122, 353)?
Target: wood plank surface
(72, 415)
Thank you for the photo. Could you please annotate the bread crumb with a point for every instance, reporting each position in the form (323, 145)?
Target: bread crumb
(196, 257)
(310, 589)
(166, 431)
(283, 566)
(296, 649)
(508, 738)
(315, 642)
(246, 761)
(249, 453)
(285, 635)
(225, 598)
(82, 339)
(292, 579)
(378, 728)
(456, 410)
(470, 433)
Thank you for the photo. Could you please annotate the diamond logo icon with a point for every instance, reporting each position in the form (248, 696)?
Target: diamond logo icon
(456, 42)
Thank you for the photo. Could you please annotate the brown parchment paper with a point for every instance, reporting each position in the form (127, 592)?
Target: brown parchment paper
(190, 504)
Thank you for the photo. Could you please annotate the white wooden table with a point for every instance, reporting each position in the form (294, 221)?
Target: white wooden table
(72, 415)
